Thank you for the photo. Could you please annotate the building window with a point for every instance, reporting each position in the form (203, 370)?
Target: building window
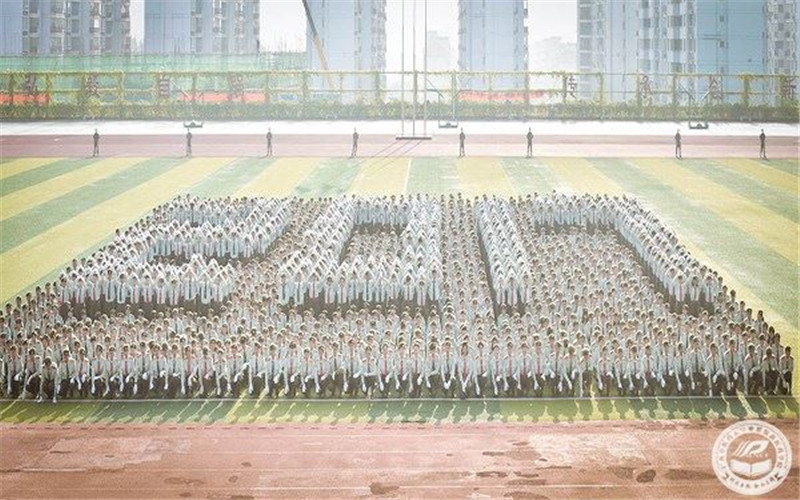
(56, 45)
(57, 25)
(33, 45)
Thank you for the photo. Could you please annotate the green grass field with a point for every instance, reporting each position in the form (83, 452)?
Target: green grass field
(248, 411)
(738, 216)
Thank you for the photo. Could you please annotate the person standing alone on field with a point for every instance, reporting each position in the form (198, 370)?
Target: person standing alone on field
(354, 151)
(678, 150)
(269, 142)
(461, 140)
(188, 142)
(763, 138)
(529, 137)
(96, 143)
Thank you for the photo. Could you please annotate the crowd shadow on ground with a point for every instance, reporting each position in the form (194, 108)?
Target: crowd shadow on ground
(248, 411)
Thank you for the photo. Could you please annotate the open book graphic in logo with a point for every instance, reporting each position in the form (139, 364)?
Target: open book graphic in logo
(750, 459)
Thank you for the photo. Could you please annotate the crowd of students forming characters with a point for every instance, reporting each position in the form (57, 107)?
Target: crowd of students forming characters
(409, 296)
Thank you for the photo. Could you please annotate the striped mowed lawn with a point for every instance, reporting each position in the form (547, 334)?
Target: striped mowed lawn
(738, 216)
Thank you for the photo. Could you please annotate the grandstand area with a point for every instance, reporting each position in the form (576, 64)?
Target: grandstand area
(733, 212)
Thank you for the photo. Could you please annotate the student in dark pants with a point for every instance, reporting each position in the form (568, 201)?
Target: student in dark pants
(786, 366)
(678, 150)
(462, 138)
(354, 151)
(188, 142)
(763, 139)
(529, 137)
(269, 142)
(47, 381)
(96, 143)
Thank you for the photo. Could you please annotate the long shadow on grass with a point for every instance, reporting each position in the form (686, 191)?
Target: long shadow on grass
(249, 411)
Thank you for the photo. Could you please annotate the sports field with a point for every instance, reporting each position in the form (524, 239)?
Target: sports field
(740, 216)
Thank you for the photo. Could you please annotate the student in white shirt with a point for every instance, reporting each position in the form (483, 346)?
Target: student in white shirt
(786, 367)
(466, 376)
(257, 373)
(525, 370)
(273, 371)
(448, 367)
(715, 371)
(206, 373)
(586, 372)
(751, 371)
(14, 367)
(309, 380)
(291, 371)
(648, 372)
(570, 381)
(770, 374)
(604, 372)
(430, 378)
(99, 372)
(539, 367)
(48, 381)
(128, 373)
(497, 371)
(67, 376)
(697, 368)
(416, 370)
(681, 369)
(386, 370)
(31, 373)
(733, 366)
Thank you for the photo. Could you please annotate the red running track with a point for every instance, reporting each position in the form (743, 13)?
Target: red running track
(386, 145)
(589, 460)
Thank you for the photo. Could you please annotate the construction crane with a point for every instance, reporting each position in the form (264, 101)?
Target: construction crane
(317, 43)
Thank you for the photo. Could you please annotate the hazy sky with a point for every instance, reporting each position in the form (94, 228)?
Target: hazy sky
(283, 22)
